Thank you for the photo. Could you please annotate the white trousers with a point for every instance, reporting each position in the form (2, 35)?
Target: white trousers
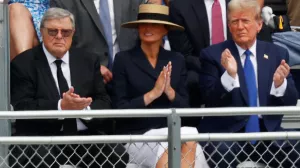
(146, 155)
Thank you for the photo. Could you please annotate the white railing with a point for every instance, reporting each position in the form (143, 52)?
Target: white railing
(173, 138)
(232, 111)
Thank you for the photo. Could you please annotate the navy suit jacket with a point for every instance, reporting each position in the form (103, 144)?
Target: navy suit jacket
(192, 15)
(133, 76)
(217, 96)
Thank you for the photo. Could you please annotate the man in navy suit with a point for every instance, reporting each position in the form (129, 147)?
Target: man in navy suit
(246, 72)
(196, 18)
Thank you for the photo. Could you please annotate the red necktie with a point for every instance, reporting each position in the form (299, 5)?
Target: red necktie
(217, 23)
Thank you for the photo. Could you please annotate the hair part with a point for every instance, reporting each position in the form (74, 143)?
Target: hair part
(57, 13)
(240, 5)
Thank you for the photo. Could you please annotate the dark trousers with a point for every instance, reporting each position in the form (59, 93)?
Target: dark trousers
(82, 156)
(272, 153)
(195, 100)
(192, 83)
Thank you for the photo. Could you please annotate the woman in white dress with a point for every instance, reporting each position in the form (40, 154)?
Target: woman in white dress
(148, 76)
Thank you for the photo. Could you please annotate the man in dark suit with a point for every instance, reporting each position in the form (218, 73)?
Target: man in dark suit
(196, 17)
(53, 76)
(102, 36)
(246, 72)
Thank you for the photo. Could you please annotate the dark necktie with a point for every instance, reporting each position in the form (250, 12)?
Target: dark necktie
(69, 124)
(217, 33)
(253, 122)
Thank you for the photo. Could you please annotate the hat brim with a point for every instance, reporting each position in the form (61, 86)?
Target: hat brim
(134, 24)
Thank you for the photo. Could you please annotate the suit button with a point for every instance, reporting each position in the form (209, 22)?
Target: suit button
(105, 53)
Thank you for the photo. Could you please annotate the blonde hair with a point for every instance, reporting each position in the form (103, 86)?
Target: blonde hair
(235, 5)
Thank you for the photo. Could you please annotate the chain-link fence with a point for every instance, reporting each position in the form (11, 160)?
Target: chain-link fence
(266, 153)
(173, 149)
(272, 150)
(215, 150)
(82, 151)
(78, 155)
(131, 155)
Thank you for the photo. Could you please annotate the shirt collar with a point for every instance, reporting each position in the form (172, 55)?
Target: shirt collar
(242, 51)
(51, 58)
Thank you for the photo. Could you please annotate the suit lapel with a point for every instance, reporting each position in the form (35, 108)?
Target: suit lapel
(43, 66)
(162, 61)
(138, 57)
(199, 8)
(243, 88)
(118, 15)
(75, 70)
(91, 9)
(263, 73)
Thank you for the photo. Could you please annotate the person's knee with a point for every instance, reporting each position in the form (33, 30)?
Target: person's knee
(191, 145)
(18, 9)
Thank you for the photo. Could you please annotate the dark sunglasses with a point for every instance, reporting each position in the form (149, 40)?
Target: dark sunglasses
(54, 32)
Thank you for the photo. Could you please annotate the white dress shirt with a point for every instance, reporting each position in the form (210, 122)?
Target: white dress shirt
(116, 48)
(208, 5)
(230, 83)
(67, 74)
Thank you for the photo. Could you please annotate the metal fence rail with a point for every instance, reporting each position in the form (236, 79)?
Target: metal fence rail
(19, 140)
(4, 72)
(238, 111)
(135, 113)
(28, 151)
(30, 147)
(89, 151)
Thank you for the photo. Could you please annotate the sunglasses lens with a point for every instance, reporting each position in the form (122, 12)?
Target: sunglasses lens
(66, 33)
(52, 32)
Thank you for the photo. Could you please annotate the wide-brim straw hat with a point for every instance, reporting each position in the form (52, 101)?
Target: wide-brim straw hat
(152, 13)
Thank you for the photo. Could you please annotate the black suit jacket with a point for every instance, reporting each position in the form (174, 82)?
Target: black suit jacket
(134, 76)
(192, 15)
(33, 87)
(89, 32)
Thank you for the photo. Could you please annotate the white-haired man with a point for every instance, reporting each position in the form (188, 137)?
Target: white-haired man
(246, 72)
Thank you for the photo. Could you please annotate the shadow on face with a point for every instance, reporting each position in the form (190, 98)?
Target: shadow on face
(152, 32)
